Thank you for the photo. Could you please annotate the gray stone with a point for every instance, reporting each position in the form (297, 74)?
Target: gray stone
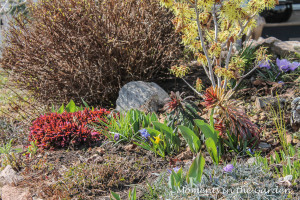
(14, 193)
(9, 175)
(264, 145)
(147, 97)
(295, 114)
(264, 102)
(251, 161)
(278, 47)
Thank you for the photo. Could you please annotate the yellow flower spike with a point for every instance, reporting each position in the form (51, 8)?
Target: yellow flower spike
(157, 139)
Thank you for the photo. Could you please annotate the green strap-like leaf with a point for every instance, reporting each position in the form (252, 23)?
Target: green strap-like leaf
(114, 196)
(191, 138)
(196, 169)
(207, 130)
(212, 150)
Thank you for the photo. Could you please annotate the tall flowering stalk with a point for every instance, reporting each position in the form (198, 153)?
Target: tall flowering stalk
(210, 27)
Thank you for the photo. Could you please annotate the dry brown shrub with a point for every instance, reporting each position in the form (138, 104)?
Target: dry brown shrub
(88, 49)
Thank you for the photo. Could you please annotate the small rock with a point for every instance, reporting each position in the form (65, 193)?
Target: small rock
(130, 147)
(263, 102)
(36, 198)
(264, 145)
(185, 155)
(254, 118)
(96, 159)
(9, 175)
(285, 180)
(295, 114)
(288, 178)
(251, 161)
(263, 117)
(296, 141)
(100, 150)
(252, 98)
(15, 193)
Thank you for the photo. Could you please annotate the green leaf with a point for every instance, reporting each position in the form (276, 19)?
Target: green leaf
(85, 104)
(172, 138)
(191, 138)
(196, 169)
(212, 150)
(52, 108)
(211, 118)
(132, 195)
(135, 126)
(171, 182)
(71, 107)
(153, 132)
(207, 130)
(154, 117)
(61, 109)
(114, 196)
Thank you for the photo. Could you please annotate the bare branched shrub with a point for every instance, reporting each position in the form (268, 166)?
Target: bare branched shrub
(88, 49)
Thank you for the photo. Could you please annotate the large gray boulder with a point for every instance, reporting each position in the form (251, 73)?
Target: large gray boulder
(295, 114)
(145, 96)
(278, 47)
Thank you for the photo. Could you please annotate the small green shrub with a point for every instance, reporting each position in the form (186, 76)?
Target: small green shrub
(86, 48)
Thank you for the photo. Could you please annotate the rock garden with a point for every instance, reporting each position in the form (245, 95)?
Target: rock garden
(164, 99)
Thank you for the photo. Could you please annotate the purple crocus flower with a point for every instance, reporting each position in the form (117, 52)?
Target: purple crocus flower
(265, 64)
(294, 66)
(176, 169)
(228, 168)
(283, 65)
(281, 82)
(144, 134)
(117, 137)
(250, 151)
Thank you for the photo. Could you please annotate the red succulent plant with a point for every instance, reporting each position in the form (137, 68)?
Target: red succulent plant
(56, 130)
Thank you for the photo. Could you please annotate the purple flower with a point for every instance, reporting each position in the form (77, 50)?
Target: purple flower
(117, 137)
(294, 66)
(176, 169)
(144, 134)
(281, 82)
(228, 168)
(250, 151)
(285, 65)
(265, 64)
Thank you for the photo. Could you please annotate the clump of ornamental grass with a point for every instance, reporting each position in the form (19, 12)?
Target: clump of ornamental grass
(210, 29)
